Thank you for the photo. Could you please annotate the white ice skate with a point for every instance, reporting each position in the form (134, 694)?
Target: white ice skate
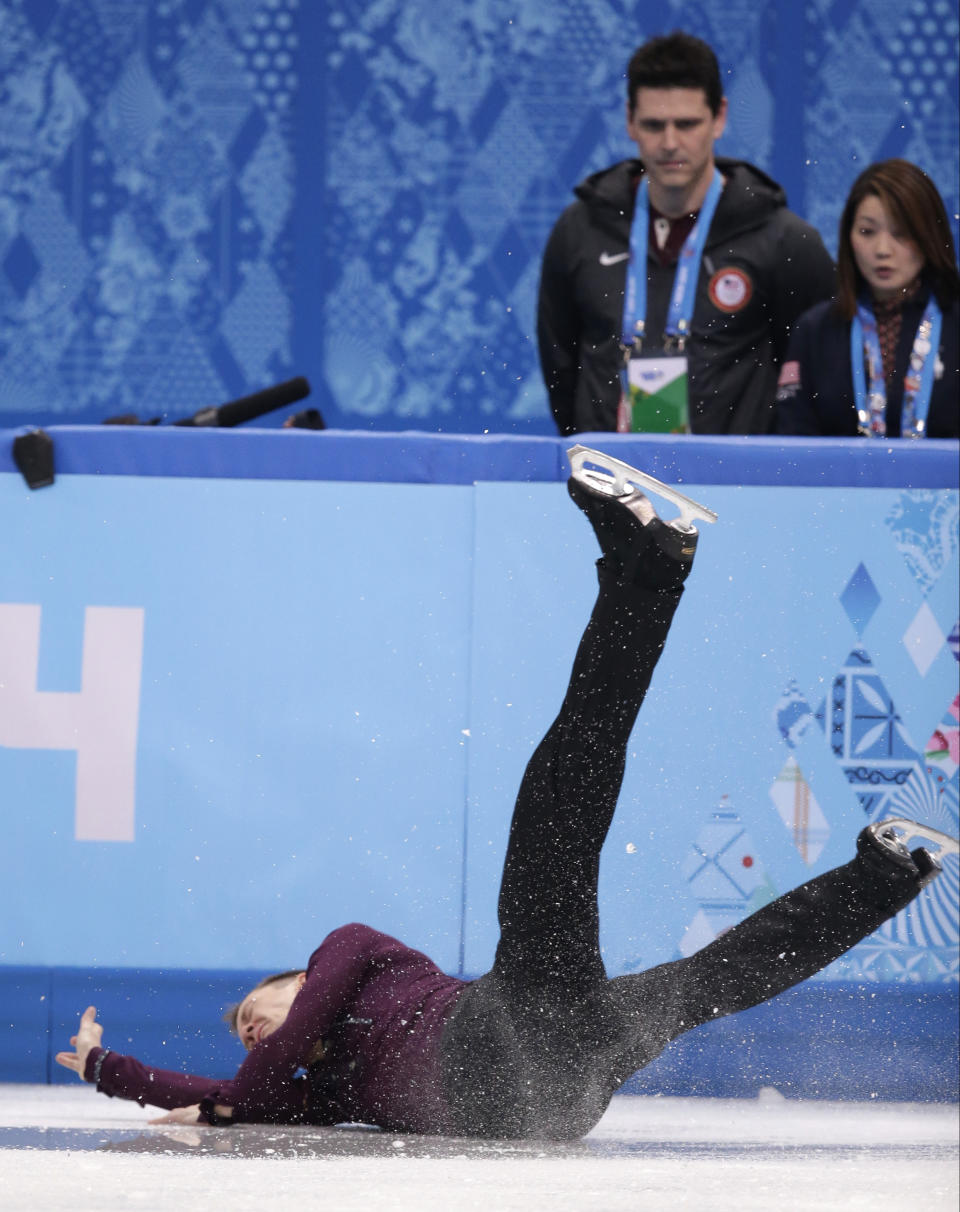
(604, 473)
(910, 831)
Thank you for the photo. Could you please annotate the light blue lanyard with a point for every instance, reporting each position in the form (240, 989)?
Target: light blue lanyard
(684, 294)
(871, 398)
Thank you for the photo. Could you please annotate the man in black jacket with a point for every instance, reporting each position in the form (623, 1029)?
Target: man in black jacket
(755, 265)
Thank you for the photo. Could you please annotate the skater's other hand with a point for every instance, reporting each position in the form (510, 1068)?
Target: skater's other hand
(180, 1115)
(191, 1115)
(88, 1036)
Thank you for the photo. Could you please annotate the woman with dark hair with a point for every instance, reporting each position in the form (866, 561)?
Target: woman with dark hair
(372, 1031)
(881, 359)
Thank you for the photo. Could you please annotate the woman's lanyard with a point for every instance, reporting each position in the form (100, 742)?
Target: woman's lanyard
(871, 399)
(684, 293)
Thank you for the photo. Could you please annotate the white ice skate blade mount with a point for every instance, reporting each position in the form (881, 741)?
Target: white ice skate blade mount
(604, 473)
(914, 831)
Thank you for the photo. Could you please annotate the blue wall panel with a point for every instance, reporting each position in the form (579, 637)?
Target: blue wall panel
(278, 657)
(26, 1015)
(820, 1041)
(763, 614)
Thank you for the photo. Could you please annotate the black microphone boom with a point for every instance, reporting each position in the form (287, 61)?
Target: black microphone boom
(248, 408)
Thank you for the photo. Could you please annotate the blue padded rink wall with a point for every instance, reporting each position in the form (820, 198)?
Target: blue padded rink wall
(346, 648)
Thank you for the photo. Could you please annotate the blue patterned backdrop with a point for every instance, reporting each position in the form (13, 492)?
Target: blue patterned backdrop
(202, 197)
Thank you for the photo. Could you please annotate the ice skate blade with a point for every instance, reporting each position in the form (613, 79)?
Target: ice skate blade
(913, 830)
(617, 478)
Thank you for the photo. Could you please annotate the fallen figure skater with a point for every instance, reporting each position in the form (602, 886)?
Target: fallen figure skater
(373, 1032)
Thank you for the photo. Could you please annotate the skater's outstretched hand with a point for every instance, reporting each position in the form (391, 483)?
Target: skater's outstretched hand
(88, 1036)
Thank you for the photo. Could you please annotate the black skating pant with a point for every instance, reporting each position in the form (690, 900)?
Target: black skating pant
(537, 1047)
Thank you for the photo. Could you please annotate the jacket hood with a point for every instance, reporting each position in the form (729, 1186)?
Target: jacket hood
(748, 200)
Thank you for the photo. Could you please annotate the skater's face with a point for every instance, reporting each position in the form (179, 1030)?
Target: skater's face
(674, 130)
(264, 1010)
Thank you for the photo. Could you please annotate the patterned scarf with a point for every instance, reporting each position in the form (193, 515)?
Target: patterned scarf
(889, 316)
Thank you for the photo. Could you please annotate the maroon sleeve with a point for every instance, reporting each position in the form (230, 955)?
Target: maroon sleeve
(265, 1087)
(125, 1077)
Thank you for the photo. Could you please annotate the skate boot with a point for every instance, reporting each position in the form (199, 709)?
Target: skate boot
(884, 852)
(638, 546)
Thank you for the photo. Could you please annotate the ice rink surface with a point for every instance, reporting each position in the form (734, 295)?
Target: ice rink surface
(64, 1147)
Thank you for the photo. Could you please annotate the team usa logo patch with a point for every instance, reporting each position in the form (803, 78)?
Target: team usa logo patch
(730, 289)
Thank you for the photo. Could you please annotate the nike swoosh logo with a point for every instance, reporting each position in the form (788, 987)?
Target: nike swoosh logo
(612, 258)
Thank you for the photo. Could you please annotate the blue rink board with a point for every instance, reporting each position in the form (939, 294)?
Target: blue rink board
(816, 1041)
(344, 673)
(419, 458)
